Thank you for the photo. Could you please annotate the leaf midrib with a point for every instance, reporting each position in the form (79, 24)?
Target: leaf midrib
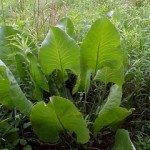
(97, 57)
(58, 52)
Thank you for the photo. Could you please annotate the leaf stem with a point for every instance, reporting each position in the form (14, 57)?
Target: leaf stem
(84, 103)
(66, 130)
(103, 95)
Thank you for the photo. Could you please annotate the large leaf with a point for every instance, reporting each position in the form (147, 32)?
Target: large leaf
(24, 76)
(101, 48)
(58, 115)
(113, 99)
(107, 75)
(36, 72)
(66, 25)
(5, 98)
(38, 78)
(21, 65)
(122, 141)
(45, 122)
(7, 32)
(59, 51)
(10, 92)
(112, 116)
(111, 112)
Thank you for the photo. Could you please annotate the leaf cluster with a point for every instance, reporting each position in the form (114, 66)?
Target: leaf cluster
(52, 107)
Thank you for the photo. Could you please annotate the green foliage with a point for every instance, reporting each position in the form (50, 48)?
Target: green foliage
(38, 78)
(66, 25)
(10, 92)
(16, 54)
(9, 133)
(101, 48)
(59, 51)
(6, 50)
(107, 75)
(58, 115)
(36, 73)
(122, 141)
(49, 71)
(111, 113)
(34, 19)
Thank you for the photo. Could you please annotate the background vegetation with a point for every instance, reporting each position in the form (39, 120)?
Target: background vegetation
(132, 19)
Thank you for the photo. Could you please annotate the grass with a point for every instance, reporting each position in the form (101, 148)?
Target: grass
(133, 22)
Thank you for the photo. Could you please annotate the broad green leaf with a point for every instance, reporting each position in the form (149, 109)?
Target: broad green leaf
(107, 75)
(111, 113)
(122, 141)
(71, 118)
(60, 114)
(7, 32)
(13, 45)
(57, 85)
(10, 92)
(5, 98)
(45, 122)
(66, 25)
(53, 86)
(113, 99)
(112, 116)
(101, 48)
(21, 65)
(36, 72)
(37, 93)
(59, 51)
(24, 78)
